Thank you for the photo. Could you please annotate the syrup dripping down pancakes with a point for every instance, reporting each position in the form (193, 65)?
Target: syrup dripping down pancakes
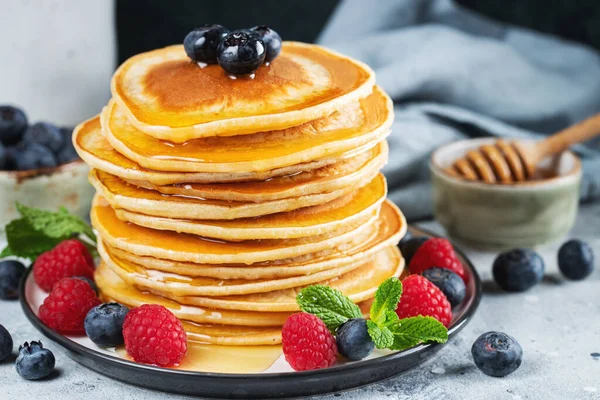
(222, 198)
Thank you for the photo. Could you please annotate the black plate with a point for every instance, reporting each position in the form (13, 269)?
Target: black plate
(264, 385)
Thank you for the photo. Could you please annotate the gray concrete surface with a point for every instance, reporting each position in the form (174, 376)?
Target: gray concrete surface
(557, 324)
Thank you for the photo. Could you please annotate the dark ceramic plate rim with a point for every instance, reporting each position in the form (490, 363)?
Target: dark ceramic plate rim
(339, 369)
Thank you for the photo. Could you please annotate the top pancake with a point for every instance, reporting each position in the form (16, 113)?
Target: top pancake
(166, 96)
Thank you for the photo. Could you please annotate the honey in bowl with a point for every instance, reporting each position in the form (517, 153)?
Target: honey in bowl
(500, 163)
(499, 216)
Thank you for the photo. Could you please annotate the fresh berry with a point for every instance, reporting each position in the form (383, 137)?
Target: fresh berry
(29, 156)
(74, 246)
(497, 354)
(448, 282)
(436, 252)
(6, 344)
(575, 259)
(271, 39)
(13, 123)
(45, 134)
(64, 310)
(409, 246)
(518, 270)
(69, 258)
(67, 153)
(3, 158)
(11, 154)
(153, 335)
(353, 340)
(241, 52)
(421, 297)
(307, 344)
(201, 44)
(11, 272)
(34, 361)
(104, 324)
(90, 282)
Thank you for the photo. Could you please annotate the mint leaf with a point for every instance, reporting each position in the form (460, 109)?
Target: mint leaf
(330, 305)
(39, 231)
(59, 224)
(391, 318)
(386, 299)
(6, 252)
(381, 336)
(26, 242)
(409, 332)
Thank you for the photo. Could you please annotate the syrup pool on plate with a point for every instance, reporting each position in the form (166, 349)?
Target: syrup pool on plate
(202, 357)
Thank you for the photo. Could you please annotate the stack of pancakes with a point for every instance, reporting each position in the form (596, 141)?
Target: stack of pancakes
(222, 198)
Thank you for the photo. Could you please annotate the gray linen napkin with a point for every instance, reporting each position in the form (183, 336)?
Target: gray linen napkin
(455, 74)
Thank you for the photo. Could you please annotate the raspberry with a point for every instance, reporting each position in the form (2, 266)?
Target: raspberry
(69, 258)
(307, 344)
(421, 297)
(436, 252)
(153, 335)
(64, 310)
(75, 245)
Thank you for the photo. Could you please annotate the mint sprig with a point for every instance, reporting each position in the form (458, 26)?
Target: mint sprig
(38, 231)
(412, 331)
(385, 328)
(381, 336)
(331, 306)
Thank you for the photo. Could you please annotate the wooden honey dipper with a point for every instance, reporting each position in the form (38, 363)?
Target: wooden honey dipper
(516, 161)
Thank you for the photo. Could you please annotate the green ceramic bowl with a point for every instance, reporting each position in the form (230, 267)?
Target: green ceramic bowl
(494, 216)
(66, 185)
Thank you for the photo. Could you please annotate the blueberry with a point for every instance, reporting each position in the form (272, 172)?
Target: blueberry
(409, 246)
(67, 153)
(497, 354)
(201, 44)
(353, 340)
(89, 281)
(45, 134)
(33, 156)
(518, 270)
(3, 157)
(575, 259)
(241, 52)
(11, 155)
(448, 282)
(34, 361)
(13, 123)
(11, 272)
(271, 39)
(6, 344)
(104, 324)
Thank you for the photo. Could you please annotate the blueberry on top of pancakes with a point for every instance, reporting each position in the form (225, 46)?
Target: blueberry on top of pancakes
(271, 39)
(201, 44)
(241, 52)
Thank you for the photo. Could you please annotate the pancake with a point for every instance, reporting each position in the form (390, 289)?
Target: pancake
(362, 251)
(349, 172)
(308, 221)
(132, 198)
(168, 97)
(359, 285)
(190, 248)
(273, 307)
(221, 197)
(115, 288)
(181, 285)
(358, 124)
(231, 335)
(95, 150)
